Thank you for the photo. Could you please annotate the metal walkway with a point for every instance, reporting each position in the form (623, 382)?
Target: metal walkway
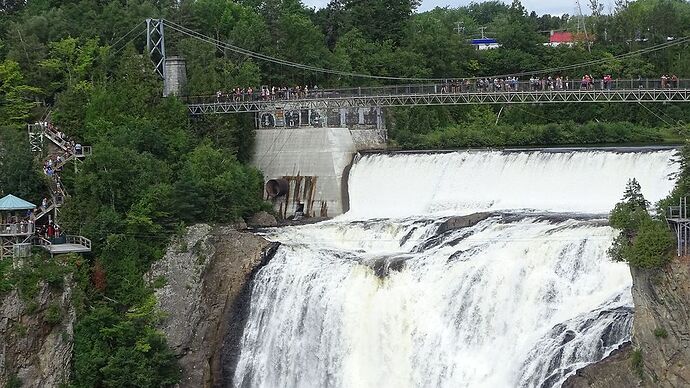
(621, 91)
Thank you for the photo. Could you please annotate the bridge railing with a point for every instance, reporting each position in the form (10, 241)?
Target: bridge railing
(450, 87)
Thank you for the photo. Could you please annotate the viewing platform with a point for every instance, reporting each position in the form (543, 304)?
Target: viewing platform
(19, 233)
(678, 220)
(68, 244)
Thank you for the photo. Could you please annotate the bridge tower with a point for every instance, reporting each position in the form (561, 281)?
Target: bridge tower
(172, 69)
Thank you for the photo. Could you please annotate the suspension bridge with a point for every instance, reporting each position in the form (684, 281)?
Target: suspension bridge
(406, 91)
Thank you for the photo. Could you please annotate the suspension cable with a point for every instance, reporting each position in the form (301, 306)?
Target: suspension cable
(263, 57)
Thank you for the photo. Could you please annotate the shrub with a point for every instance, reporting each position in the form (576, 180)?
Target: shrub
(53, 315)
(637, 363)
(14, 382)
(650, 248)
(660, 332)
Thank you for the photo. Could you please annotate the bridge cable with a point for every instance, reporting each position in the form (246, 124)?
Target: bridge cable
(125, 35)
(657, 116)
(263, 57)
(284, 62)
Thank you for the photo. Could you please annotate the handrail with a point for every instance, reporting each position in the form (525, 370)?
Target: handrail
(85, 151)
(42, 241)
(79, 240)
(69, 239)
(24, 228)
(450, 87)
(52, 136)
(42, 211)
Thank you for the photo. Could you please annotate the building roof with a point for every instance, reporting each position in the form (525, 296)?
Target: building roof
(562, 37)
(10, 202)
(484, 41)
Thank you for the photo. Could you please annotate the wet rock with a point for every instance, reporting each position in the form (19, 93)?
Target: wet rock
(462, 222)
(262, 220)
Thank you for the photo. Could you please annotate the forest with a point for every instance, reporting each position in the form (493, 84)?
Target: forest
(155, 170)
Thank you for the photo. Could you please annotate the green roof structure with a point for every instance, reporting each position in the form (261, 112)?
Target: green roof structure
(10, 202)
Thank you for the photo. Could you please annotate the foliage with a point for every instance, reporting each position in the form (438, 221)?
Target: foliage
(15, 95)
(19, 174)
(434, 128)
(637, 363)
(644, 242)
(660, 332)
(35, 271)
(13, 381)
(53, 314)
(113, 350)
(5, 272)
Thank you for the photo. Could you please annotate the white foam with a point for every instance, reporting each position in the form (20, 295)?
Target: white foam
(467, 182)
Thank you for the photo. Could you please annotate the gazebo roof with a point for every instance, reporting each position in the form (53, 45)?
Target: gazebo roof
(10, 202)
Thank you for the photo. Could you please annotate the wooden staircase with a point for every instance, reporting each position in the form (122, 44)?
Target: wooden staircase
(67, 153)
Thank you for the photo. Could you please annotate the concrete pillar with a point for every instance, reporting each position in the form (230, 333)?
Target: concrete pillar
(175, 76)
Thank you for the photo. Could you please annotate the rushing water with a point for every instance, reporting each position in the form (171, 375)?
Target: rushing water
(384, 296)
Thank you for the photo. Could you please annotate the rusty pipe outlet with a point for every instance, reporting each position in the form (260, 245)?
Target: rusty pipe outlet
(277, 188)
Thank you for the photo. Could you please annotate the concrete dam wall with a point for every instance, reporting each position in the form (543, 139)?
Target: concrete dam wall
(310, 163)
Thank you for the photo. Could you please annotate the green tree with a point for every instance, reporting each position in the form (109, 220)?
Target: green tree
(643, 242)
(15, 96)
(18, 173)
(382, 20)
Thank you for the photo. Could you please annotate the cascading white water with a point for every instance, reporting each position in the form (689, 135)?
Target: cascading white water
(386, 297)
(466, 182)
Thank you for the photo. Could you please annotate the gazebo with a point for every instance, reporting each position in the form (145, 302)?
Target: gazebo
(16, 226)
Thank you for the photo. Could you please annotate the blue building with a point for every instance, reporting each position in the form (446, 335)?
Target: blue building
(485, 43)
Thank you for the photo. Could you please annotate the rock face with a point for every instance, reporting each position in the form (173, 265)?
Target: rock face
(262, 220)
(36, 337)
(661, 335)
(206, 276)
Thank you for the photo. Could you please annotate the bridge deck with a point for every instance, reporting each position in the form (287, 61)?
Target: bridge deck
(334, 101)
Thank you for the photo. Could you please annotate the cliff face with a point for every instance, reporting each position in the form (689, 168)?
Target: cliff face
(660, 353)
(36, 338)
(207, 275)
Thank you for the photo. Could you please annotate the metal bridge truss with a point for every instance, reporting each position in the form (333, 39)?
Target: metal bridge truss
(155, 44)
(464, 98)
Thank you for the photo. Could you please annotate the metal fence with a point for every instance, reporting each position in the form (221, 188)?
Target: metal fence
(450, 87)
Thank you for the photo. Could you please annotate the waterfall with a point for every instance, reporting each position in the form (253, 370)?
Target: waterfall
(389, 295)
(467, 182)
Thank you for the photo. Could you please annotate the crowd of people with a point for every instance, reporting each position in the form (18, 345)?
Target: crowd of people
(61, 138)
(52, 167)
(14, 223)
(486, 84)
(547, 83)
(265, 93)
(671, 81)
(24, 223)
